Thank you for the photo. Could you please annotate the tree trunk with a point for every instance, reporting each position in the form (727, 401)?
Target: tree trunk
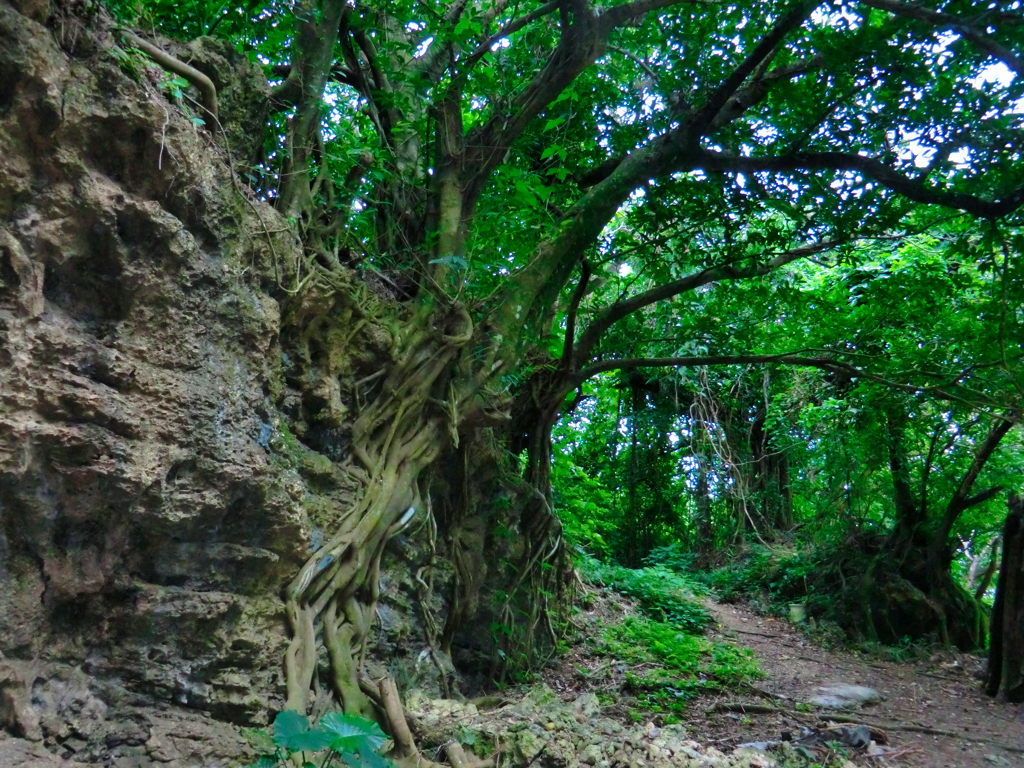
(914, 594)
(705, 543)
(632, 558)
(908, 513)
(1006, 648)
(785, 518)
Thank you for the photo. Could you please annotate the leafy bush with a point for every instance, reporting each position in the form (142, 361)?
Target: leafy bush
(828, 578)
(662, 595)
(673, 557)
(584, 507)
(354, 740)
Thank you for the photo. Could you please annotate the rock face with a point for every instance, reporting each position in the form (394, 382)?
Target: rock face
(145, 521)
(168, 455)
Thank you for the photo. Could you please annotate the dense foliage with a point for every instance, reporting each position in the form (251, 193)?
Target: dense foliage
(673, 661)
(762, 259)
(820, 470)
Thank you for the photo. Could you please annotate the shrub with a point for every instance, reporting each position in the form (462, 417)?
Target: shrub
(661, 594)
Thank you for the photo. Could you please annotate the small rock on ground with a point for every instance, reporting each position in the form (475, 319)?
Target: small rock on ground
(844, 696)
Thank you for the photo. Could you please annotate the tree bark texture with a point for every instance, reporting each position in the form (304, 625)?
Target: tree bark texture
(1006, 647)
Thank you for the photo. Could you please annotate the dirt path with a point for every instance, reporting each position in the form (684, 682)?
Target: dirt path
(941, 694)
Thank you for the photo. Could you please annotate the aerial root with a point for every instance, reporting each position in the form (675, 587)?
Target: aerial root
(459, 759)
(405, 746)
(205, 85)
(405, 753)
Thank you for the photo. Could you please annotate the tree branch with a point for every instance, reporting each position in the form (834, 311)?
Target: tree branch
(754, 93)
(635, 59)
(736, 106)
(615, 312)
(958, 503)
(963, 27)
(582, 41)
(789, 358)
(983, 496)
(288, 92)
(702, 119)
(369, 50)
(570, 320)
(927, 470)
(379, 116)
(913, 189)
(592, 176)
(625, 13)
(509, 29)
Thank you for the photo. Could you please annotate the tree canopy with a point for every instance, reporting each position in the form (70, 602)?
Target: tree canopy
(824, 194)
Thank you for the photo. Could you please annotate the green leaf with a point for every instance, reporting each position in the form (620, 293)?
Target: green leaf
(312, 740)
(287, 725)
(452, 261)
(348, 732)
(525, 193)
(553, 123)
(372, 760)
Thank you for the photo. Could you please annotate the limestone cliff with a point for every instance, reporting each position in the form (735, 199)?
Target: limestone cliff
(167, 454)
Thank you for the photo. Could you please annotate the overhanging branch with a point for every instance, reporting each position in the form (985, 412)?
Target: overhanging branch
(963, 27)
(942, 391)
(699, 122)
(983, 496)
(914, 189)
(509, 29)
(615, 312)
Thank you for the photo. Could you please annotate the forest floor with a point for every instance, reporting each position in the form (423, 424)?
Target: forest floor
(941, 693)
(934, 712)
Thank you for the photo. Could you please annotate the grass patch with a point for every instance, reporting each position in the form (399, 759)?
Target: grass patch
(672, 667)
(668, 661)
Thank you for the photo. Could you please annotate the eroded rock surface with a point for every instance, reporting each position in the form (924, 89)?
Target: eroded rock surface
(140, 510)
(170, 452)
(541, 730)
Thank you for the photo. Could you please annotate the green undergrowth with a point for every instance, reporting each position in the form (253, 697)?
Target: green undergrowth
(823, 578)
(670, 667)
(665, 659)
(661, 594)
(771, 579)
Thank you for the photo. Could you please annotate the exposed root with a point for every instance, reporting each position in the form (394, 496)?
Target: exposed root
(405, 746)
(459, 759)
(397, 436)
(205, 85)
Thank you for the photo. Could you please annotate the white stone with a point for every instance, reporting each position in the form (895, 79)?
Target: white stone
(844, 696)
